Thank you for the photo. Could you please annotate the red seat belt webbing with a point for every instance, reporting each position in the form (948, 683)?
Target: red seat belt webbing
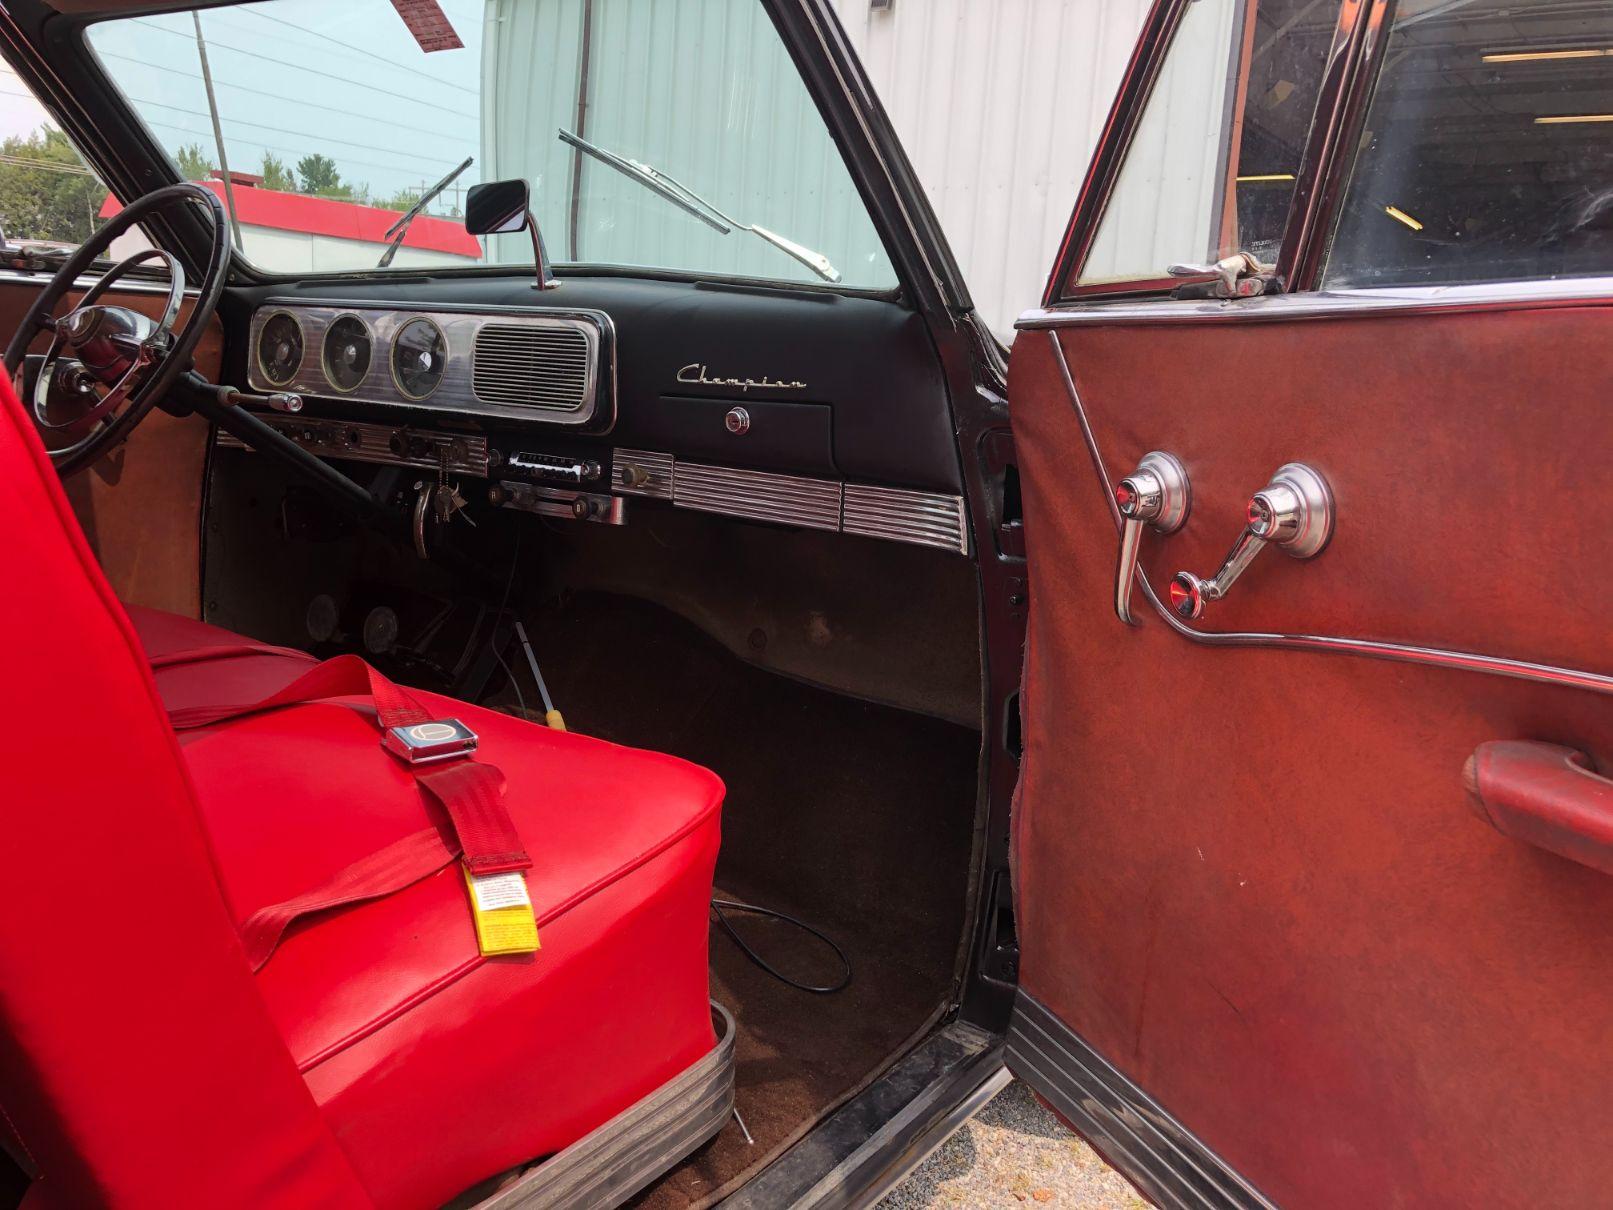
(225, 651)
(401, 864)
(471, 792)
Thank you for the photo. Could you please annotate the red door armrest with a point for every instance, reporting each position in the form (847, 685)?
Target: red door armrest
(1544, 795)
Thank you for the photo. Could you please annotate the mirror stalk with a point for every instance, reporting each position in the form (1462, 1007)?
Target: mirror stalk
(540, 257)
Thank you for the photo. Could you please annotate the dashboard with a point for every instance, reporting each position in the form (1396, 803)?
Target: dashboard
(808, 409)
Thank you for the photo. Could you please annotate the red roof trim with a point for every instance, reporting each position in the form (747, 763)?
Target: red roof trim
(339, 220)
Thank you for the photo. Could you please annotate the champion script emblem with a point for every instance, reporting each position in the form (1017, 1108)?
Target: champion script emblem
(695, 374)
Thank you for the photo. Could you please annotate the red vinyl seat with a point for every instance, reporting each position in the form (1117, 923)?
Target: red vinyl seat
(376, 1058)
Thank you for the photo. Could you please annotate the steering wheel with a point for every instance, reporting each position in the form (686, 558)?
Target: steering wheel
(107, 366)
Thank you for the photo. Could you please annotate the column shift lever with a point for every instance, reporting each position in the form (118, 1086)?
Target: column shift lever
(1156, 494)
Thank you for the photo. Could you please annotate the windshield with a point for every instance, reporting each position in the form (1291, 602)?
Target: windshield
(322, 125)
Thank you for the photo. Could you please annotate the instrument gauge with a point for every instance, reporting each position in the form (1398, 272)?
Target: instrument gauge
(347, 352)
(419, 356)
(280, 348)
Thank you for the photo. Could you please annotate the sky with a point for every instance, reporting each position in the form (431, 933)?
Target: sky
(298, 76)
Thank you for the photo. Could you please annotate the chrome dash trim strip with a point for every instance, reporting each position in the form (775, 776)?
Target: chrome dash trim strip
(1365, 302)
(359, 442)
(905, 515)
(757, 495)
(894, 514)
(1461, 661)
(656, 466)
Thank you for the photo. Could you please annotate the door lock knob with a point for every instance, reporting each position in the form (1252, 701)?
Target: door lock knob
(1294, 512)
(1157, 494)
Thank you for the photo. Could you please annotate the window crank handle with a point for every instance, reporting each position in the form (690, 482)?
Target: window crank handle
(1156, 494)
(1294, 512)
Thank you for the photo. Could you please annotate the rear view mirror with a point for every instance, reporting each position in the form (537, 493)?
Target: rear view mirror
(497, 207)
(503, 208)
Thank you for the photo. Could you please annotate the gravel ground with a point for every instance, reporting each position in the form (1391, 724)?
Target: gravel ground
(1014, 1153)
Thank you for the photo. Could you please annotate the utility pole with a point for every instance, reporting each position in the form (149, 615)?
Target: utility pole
(218, 130)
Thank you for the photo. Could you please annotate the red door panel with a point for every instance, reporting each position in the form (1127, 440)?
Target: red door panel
(1251, 878)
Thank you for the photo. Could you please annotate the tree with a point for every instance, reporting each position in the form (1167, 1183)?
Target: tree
(318, 175)
(403, 199)
(276, 175)
(51, 194)
(193, 162)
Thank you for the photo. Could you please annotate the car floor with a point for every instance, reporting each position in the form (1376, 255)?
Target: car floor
(854, 817)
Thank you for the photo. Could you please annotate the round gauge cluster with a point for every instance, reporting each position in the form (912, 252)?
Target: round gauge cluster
(280, 348)
(347, 352)
(419, 355)
(416, 353)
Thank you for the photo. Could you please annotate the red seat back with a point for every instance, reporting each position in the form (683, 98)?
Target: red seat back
(137, 1063)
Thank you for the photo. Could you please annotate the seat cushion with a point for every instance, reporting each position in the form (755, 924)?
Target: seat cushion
(402, 1030)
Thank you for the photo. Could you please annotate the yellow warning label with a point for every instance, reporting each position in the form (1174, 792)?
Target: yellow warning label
(502, 909)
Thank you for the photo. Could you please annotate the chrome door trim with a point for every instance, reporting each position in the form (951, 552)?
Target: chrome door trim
(1364, 302)
(1461, 661)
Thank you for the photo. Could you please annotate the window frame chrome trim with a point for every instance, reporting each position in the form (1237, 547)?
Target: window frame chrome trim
(1433, 657)
(1114, 142)
(1364, 302)
(1352, 65)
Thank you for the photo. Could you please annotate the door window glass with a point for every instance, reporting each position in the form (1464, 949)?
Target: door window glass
(50, 199)
(1211, 167)
(1488, 148)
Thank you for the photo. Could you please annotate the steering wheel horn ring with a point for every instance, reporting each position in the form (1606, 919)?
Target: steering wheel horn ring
(135, 358)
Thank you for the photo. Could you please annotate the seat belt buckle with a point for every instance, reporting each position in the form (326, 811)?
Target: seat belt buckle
(426, 743)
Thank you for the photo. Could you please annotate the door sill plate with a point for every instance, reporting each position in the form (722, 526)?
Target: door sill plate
(1150, 1148)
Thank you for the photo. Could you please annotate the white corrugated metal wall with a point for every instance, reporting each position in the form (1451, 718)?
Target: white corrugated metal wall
(999, 104)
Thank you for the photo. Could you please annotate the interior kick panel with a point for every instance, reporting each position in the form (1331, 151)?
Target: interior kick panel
(831, 385)
(140, 508)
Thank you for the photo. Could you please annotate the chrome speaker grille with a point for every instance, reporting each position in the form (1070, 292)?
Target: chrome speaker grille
(545, 367)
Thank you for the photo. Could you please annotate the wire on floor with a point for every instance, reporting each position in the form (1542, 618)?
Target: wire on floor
(719, 908)
(509, 583)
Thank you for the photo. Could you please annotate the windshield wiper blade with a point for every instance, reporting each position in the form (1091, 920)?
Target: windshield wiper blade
(687, 200)
(399, 229)
(653, 180)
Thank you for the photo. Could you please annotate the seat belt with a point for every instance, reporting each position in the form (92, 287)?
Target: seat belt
(438, 752)
(224, 651)
(401, 864)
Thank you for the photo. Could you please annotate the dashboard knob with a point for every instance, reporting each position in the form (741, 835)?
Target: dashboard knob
(497, 495)
(632, 475)
(583, 508)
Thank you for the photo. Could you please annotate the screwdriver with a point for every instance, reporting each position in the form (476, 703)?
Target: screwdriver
(550, 715)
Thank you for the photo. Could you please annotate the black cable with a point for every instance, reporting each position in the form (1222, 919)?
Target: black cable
(509, 583)
(717, 907)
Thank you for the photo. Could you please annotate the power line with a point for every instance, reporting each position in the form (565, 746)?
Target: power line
(296, 151)
(319, 37)
(307, 134)
(20, 161)
(252, 54)
(293, 151)
(282, 98)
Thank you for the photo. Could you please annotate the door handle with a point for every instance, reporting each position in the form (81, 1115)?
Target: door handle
(1294, 512)
(1544, 795)
(1156, 494)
